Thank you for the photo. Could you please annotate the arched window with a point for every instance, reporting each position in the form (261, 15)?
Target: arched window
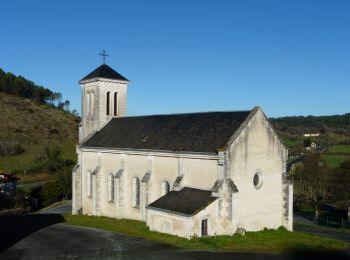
(87, 113)
(115, 104)
(165, 188)
(92, 104)
(89, 184)
(107, 104)
(110, 187)
(136, 192)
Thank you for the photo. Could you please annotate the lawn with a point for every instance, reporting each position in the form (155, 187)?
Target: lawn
(334, 160)
(263, 241)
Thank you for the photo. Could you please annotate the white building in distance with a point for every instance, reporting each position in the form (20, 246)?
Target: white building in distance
(183, 174)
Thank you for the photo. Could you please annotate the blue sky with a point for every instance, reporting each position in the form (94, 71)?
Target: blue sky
(289, 57)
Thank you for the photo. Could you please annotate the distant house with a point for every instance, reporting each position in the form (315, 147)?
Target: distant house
(312, 135)
(8, 185)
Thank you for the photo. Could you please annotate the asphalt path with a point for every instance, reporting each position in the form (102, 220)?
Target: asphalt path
(45, 236)
(60, 209)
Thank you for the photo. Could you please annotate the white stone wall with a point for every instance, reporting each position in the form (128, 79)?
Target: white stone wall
(258, 149)
(94, 110)
(162, 168)
(184, 225)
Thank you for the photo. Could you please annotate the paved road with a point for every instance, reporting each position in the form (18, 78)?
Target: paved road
(61, 241)
(325, 232)
(44, 236)
(61, 209)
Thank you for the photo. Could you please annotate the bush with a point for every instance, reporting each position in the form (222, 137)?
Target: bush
(51, 158)
(8, 148)
(57, 190)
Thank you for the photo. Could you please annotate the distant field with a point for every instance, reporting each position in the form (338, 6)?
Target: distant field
(344, 149)
(334, 160)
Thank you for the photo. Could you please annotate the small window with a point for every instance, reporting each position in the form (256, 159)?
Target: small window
(136, 192)
(165, 188)
(257, 180)
(204, 227)
(88, 104)
(107, 104)
(92, 103)
(110, 188)
(89, 184)
(115, 104)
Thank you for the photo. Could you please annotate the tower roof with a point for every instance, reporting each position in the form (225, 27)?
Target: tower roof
(104, 71)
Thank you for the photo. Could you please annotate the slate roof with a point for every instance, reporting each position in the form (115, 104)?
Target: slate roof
(104, 71)
(196, 132)
(188, 201)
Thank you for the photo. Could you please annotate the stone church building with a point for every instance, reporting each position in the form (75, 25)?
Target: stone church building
(183, 174)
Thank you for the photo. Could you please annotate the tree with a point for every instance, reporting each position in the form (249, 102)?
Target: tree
(51, 158)
(75, 113)
(66, 105)
(311, 180)
(57, 96)
(341, 180)
(307, 142)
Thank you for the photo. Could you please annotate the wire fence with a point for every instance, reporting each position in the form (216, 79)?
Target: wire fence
(327, 221)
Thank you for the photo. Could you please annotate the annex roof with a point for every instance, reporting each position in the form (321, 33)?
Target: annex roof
(188, 201)
(195, 132)
(104, 71)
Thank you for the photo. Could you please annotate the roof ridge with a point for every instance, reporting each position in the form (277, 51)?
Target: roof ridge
(188, 113)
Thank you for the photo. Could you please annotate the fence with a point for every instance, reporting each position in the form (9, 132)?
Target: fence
(327, 221)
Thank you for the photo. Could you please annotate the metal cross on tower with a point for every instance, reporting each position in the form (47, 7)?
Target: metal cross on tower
(104, 55)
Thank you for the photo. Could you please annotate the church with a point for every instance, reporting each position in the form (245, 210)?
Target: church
(192, 174)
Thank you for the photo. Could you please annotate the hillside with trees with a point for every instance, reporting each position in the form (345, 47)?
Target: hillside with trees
(22, 87)
(37, 140)
(29, 127)
(298, 125)
(33, 118)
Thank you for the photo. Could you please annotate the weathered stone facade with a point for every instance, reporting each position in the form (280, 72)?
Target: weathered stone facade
(94, 103)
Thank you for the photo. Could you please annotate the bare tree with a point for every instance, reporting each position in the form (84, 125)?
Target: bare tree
(311, 180)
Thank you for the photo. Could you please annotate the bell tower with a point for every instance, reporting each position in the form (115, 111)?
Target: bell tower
(103, 96)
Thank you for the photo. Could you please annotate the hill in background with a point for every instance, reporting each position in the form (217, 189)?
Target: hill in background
(298, 125)
(27, 127)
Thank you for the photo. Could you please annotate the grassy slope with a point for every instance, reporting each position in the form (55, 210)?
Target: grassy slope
(336, 154)
(264, 241)
(334, 160)
(32, 126)
(345, 149)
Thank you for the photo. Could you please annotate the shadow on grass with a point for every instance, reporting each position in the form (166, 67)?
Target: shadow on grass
(15, 228)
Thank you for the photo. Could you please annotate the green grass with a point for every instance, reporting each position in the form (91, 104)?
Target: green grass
(334, 160)
(33, 126)
(27, 161)
(19, 163)
(341, 148)
(263, 241)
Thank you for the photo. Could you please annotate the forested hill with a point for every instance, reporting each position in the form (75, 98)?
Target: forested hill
(32, 118)
(339, 124)
(20, 86)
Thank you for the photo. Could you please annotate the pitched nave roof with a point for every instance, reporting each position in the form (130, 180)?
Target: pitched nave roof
(195, 132)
